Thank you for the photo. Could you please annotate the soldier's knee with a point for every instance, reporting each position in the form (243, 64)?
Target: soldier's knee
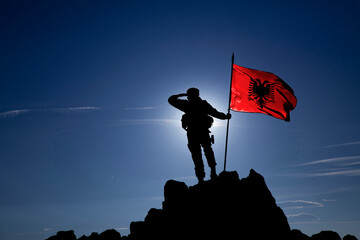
(208, 150)
(194, 148)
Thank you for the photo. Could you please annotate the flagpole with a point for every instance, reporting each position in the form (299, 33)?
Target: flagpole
(227, 127)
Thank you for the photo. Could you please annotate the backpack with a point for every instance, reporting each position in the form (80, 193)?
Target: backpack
(205, 121)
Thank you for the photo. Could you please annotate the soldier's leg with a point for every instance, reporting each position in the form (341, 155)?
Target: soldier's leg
(195, 149)
(210, 157)
(198, 162)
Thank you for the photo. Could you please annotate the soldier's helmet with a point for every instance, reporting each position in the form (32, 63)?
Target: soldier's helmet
(193, 92)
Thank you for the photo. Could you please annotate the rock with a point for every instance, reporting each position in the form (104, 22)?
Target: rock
(224, 208)
(350, 237)
(138, 230)
(63, 235)
(298, 235)
(326, 235)
(110, 234)
(175, 195)
(93, 236)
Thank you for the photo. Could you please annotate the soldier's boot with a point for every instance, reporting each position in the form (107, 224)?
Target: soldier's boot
(209, 153)
(213, 174)
(198, 162)
(200, 174)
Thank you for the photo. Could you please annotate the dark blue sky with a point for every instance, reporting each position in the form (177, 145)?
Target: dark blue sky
(87, 138)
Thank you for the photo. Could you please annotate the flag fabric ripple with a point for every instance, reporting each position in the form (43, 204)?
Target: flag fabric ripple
(261, 92)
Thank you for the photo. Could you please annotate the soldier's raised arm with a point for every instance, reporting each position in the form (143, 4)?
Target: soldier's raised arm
(178, 103)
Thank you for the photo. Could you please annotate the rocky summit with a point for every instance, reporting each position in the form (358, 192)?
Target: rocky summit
(223, 208)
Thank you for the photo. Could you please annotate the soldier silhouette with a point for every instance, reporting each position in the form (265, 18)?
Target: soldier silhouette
(196, 121)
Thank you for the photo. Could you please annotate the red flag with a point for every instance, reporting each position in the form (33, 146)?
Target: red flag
(261, 92)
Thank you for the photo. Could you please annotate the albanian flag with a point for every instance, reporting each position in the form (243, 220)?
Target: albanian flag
(261, 92)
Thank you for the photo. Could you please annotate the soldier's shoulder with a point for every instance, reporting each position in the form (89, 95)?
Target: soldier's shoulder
(206, 103)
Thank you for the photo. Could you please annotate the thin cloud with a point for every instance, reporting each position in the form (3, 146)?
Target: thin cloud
(339, 166)
(342, 144)
(298, 204)
(140, 108)
(14, 113)
(336, 190)
(350, 164)
(346, 173)
(329, 160)
(328, 200)
(159, 198)
(302, 217)
(327, 192)
(159, 121)
(75, 109)
(186, 178)
(17, 112)
(327, 222)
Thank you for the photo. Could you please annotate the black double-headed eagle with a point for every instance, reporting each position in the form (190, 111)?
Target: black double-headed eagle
(261, 92)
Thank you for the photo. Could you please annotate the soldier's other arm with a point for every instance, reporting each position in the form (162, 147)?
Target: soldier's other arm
(176, 102)
(215, 113)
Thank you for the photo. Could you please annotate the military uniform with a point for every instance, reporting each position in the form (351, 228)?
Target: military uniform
(197, 121)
